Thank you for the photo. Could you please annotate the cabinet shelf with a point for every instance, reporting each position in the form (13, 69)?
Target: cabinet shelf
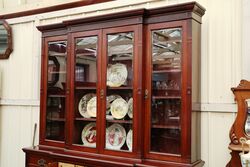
(120, 88)
(167, 71)
(168, 89)
(58, 72)
(85, 119)
(166, 97)
(120, 121)
(85, 88)
(56, 119)
(156, 126)
(57, 95)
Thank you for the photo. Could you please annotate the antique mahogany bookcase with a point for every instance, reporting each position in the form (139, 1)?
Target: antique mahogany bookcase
(121, 90)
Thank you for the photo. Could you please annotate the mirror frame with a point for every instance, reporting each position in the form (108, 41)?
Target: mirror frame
(9, 48)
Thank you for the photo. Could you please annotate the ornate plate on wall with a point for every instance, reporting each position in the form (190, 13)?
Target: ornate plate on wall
(129, 140)
(89, 135)
(115, 137)
(116, 75)
(91, 107)
(119, 108)
(82, 106)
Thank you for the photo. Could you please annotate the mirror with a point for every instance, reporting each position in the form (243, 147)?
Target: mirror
(5, 40)
(247, 123)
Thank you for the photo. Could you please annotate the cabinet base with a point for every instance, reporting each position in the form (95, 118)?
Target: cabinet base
(52, 157)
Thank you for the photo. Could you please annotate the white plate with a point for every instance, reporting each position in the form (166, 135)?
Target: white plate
(82, 106)
(130, 108)
(119, 108)
(91, 107)
(116, 75)
(89, 135)
(115, 137)
(129, 140)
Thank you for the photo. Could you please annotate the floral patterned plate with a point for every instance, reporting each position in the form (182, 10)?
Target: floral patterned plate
(119, 108)
(91, 107)
(115, 137)
(89, 135)
(116, 75)
(82, 106)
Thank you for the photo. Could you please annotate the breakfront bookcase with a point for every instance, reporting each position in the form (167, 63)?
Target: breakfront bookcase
(121, 90)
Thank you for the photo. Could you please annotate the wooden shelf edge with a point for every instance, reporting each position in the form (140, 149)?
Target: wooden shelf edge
(234, 147)
(119, 121)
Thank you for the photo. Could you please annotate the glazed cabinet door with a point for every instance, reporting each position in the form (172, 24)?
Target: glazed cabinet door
(85, 83)
(121, 86)
(53, 94)
(165, 92)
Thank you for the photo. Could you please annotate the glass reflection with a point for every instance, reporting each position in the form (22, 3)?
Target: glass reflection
(86, 67)
(119, 101)
(3, 39)
(85, 132)
(56, 88)
(166, 91)
(247, 124)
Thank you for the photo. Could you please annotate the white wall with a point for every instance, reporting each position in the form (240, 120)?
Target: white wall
(8, 6)
(245, 40)
(221, 69)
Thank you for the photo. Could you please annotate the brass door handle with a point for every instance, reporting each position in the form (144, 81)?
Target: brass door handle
(146, 94)
(41, 163)
(102, 93)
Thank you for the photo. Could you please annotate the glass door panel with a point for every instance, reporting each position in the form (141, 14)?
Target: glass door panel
(119, 100)
(85, 91)
(166, 91)
(56, 89)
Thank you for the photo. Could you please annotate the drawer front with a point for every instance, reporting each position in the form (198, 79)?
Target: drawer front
(40, 161)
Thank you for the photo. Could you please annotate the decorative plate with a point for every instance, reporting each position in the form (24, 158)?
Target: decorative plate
(89, 135)
(116, 75)
(129, 140)
(82, 106)
(91, 107)
(110, 99)
(115, 137)
(130, 107)
(119, 108)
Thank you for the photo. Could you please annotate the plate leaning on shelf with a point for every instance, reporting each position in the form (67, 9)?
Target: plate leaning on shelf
(82, 106)
(115, 137)
(91, 107)
(116, 75)
(109, 101)
(89, 135)
(129, 140)
(130, 108)
(119, 108)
